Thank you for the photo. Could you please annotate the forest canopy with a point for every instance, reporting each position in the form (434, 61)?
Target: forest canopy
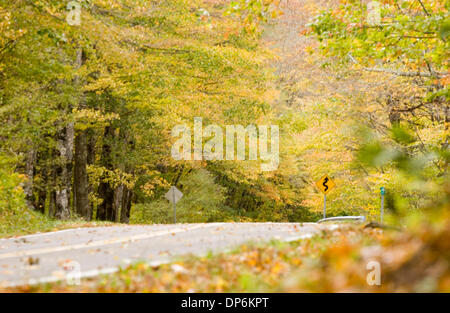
(87, 107)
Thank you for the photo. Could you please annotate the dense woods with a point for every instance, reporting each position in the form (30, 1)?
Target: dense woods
(87, 110)
(90, 93)
(400, 61)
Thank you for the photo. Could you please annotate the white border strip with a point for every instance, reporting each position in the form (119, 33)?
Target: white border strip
(17, 254)
(153, 263)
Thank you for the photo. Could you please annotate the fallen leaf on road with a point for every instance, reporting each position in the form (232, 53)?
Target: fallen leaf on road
(178, 268)
(32, 261)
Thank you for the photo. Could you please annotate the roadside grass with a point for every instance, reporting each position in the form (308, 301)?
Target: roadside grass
(26, 222)
(16, 218)
(333, 261)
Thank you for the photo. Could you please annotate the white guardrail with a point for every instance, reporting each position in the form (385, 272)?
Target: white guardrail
(343, 218)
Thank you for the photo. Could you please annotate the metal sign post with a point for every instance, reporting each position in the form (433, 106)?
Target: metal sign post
(382, 192)
(325, 184)
(174, 195)
(174, 208)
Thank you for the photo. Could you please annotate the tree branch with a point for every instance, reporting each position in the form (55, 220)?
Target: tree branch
(405, 74)
(423, 7)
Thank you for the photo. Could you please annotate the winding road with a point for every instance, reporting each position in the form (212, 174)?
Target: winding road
(91, 251)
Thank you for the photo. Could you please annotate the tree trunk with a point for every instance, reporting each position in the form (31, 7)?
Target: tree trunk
(52, 204)
(39, 203)
(29, 172)
(81, 189)
(126, 205)
(127, 194)
(52, 188)
(91, 146)
(81, 183)
(105, 209)
(91, 142)
(64, 171)
(117, 204)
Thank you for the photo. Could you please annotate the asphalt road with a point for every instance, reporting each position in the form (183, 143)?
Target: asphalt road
(92, 251)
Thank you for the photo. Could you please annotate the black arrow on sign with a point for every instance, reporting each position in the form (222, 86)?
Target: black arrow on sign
(324, 183)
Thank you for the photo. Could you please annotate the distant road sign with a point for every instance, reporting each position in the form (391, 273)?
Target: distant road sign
(382, 193)
(174, 195)
(325, 184)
